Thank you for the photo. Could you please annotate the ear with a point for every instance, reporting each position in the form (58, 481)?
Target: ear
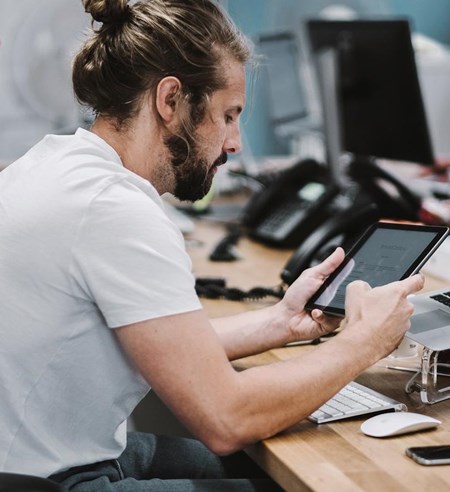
(168, 94)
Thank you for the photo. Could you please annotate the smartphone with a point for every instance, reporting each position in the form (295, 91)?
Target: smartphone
(386, 252)
(430, 455)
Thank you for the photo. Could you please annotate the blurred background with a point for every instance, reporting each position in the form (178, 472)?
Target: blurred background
(38, 40)
(430, 25)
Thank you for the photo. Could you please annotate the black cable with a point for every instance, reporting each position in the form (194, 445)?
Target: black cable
(224, 249)
(215, 288)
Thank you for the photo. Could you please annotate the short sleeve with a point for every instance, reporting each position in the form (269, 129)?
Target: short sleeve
(130, 259)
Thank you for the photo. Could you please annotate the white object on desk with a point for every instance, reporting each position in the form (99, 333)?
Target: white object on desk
(179, 218)
(397, 423)
(439, 264)
(406, 349)
(354, 400)
(433, 67)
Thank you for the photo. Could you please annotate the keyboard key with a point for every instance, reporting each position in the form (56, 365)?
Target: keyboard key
(330, 410)
(442, 299)
(354, 400)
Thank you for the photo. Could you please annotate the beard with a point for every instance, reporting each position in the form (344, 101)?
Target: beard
(193, 174)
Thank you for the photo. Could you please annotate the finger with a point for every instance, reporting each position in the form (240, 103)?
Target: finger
(408, 285)
(330, 323)
(357, 286)
(327, 266)
(413, 284)
(317, 315)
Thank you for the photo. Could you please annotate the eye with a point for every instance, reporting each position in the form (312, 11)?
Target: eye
(229, 118)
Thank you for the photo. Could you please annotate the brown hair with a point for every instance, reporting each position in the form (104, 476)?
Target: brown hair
(137, 45)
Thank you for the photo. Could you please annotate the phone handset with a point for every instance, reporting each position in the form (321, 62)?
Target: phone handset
(393, 197)
(373, 194)
(343, 228)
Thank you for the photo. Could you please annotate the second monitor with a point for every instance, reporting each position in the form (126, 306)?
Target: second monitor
(380, 98)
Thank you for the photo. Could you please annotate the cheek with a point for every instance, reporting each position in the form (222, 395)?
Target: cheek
(213, 143)
(221, 136)
(218, 145)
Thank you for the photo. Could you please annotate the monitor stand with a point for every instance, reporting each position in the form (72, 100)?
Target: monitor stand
(428, 381)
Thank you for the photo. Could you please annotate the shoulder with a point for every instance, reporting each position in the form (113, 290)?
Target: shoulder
(90, 176)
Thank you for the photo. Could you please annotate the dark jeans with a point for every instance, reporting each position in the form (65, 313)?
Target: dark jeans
(162, 463)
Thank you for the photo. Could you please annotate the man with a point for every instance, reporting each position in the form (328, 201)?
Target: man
(98, 300)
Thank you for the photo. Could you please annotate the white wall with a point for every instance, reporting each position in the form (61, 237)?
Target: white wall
(433, 67)
(38, 39)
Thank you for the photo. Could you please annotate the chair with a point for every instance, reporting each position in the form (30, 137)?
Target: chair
(16, 482)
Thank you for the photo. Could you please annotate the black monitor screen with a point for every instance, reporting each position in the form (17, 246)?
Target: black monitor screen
(382, 110)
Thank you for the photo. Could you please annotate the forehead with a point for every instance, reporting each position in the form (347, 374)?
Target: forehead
(233, 94)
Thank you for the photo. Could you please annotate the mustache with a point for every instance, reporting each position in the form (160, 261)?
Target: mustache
(179, 148)
(222, 159)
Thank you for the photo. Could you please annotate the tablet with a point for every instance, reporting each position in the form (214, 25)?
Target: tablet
(386, 252)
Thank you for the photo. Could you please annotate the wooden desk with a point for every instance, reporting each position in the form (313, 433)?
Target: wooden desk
(333, 456)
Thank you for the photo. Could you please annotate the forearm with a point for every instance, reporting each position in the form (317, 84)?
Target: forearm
(298, 386)
(284, 322)
(264, 400)
(252, 332)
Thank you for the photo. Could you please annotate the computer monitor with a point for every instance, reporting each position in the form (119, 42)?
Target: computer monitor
(292, 104)
(381, 104)
(327, 76)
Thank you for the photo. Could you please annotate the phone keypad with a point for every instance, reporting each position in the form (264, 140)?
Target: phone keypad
(282, 220)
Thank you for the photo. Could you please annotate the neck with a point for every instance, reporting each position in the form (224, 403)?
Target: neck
(140, 147)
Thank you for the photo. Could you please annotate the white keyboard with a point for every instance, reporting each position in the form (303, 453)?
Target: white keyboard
(354, 400)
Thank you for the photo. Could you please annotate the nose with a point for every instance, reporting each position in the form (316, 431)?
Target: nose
(233, 144)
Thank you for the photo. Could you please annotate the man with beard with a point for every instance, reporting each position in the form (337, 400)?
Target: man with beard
(98, 300)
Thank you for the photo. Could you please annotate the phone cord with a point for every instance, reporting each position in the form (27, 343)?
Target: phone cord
(215, 288)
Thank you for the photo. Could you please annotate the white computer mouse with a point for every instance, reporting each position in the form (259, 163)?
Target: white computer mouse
(396, 423)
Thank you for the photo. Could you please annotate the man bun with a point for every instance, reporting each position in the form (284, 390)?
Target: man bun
(106, 11)
(137, 45)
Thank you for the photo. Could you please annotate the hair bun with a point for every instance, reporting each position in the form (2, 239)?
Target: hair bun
(106, 11)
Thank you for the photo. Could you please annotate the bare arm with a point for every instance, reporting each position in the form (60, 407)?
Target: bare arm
(256, 331)
(184, 360)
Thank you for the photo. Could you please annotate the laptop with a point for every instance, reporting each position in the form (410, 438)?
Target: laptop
(430, 323)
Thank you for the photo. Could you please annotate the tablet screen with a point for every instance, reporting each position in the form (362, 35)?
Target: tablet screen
(385, 253)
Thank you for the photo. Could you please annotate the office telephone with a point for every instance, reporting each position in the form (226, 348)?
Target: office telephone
(304, 208)
(290, 207)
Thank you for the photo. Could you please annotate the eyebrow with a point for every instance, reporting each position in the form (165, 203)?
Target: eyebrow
(237, 108)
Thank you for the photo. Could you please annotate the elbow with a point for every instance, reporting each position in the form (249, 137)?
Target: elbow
(226, 436)
(223, 445)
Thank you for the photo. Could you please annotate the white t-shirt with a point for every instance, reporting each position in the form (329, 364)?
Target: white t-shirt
(85, 246)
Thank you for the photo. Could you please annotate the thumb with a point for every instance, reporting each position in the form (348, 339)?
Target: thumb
(413, 284)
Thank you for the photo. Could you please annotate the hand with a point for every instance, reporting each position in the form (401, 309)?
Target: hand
(440, 167)
(381, 316)
(303, 325)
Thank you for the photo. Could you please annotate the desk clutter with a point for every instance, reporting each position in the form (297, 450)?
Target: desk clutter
(285, 453)
(301, 207)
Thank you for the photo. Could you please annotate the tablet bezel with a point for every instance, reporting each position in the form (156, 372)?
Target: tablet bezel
(421, 259)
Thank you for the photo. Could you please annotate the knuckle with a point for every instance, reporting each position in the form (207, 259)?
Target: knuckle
(357, 284)
(410, 308)
(400, 289)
